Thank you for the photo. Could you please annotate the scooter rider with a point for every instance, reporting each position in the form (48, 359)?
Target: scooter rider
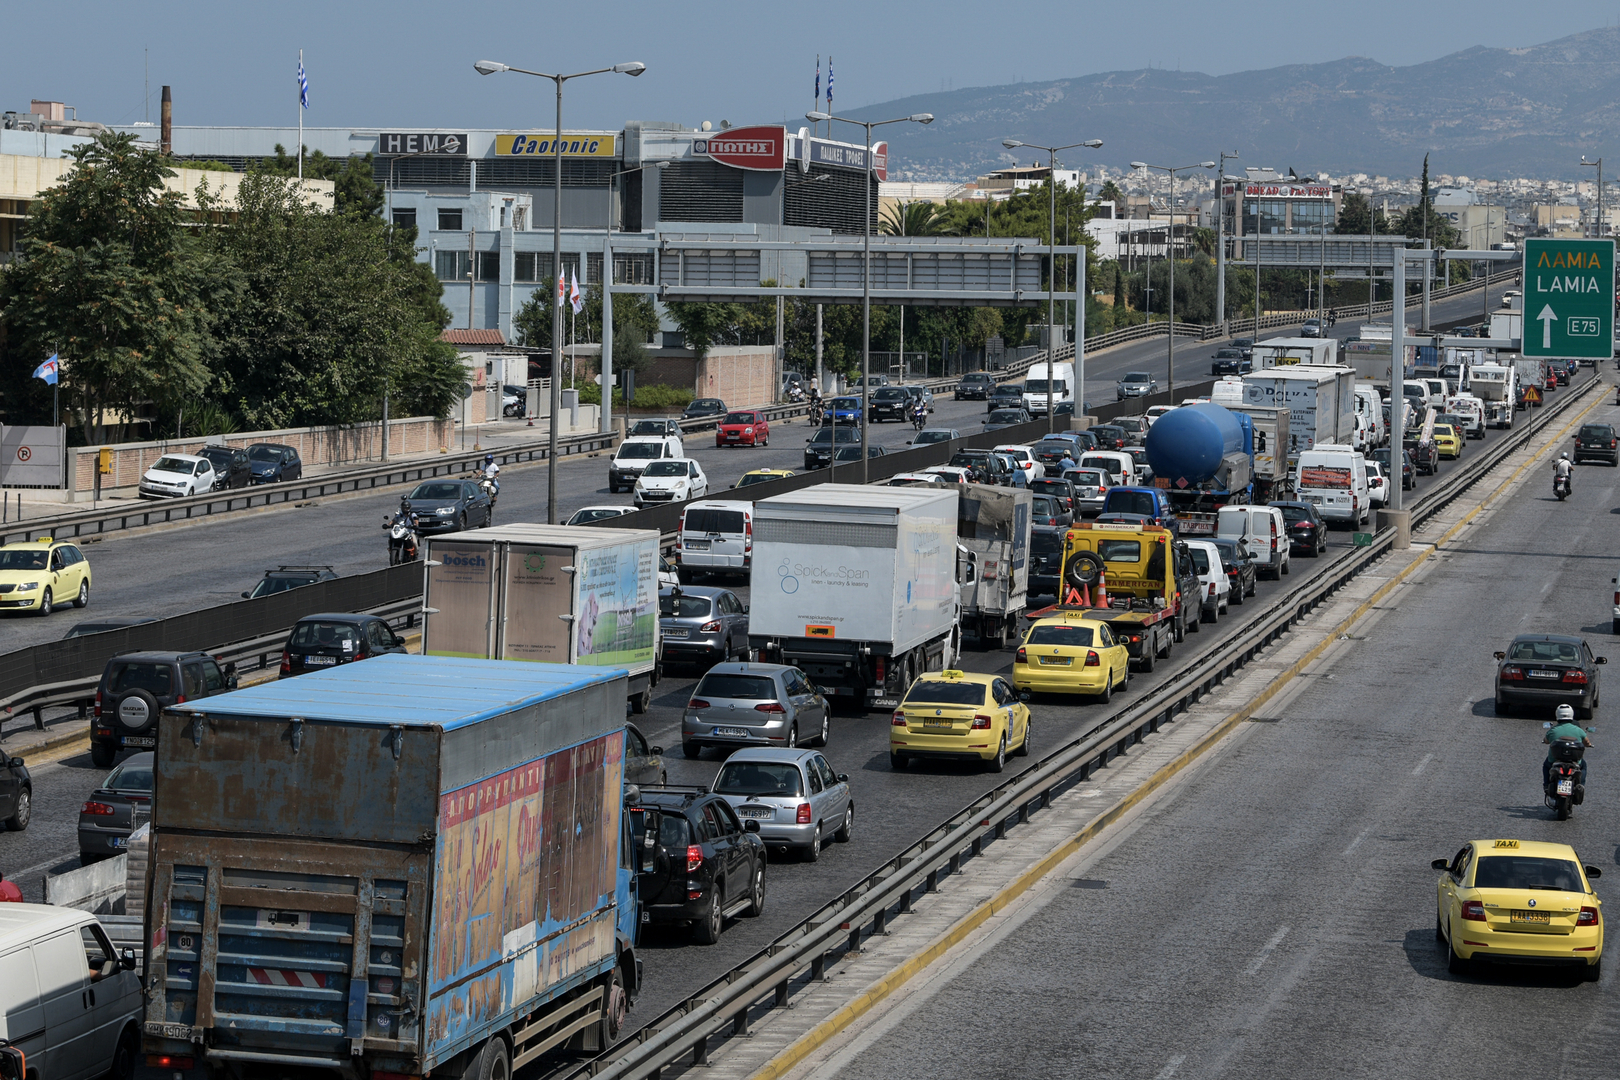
(492, 473)
(1562, 469)
(1566, 728)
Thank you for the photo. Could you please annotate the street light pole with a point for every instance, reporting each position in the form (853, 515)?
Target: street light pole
(490, 67)
(1220, 239)
(1170, 254)
(1051, 264)
(866, 271)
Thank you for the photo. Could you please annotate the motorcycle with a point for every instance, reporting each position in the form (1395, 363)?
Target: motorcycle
(795, 394)
(403, 535)
(919, 419)
(1565, 789)
(818, 413)
(487, 485)
(1561, 487)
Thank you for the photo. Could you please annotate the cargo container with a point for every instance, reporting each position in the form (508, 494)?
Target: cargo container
(406, 866)
(1321, 403)
(1290, 352)
(993, 526)
(551, 594)
(1497, 386)
(1272, 478)
(857, 587)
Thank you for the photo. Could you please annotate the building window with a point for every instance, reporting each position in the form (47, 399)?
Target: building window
(452, 265)
(570, 265)
(489, 266)
(633, 269)
(450, 220)
(405, 217)
(520, 218)
(593, 267)
(523, 266)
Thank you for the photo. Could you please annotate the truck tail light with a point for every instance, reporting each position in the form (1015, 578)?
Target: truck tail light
(286, 662)
(770, 707)
(694, 858)
(898, 719)
(803, 816)
(1022, 656)
(1092, 659)
(96, 809)
(1474, 911)
(981, 722)
(882, 668)
(697, 703)
(1577, 677)
(168, 1061)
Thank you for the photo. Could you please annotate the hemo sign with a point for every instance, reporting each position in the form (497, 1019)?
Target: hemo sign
(1569, 299)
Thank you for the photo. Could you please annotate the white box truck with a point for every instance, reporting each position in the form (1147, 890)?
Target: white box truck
(1321, 402)
(1047, 385)
(1290, 351)
(1497, 385)
(857, 587)
(551, 594)
(1272, 479)
(993, 525)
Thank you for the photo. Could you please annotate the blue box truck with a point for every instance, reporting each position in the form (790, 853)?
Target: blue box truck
(406, 866)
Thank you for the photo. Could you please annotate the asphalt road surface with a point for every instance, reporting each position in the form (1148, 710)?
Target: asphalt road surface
(1274, 918)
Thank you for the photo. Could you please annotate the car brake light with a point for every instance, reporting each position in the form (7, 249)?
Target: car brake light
(181, 700)
(981, 722)
(1575, 677)
(1212, 588)
(96, 809)
(694, 857)
(1473, 911)
(697, 703)
(1092, 659)
(709, 628)
(1588, 917)
(98, 692)
(803, 816)
(1513, 674)
(770, 707)
(1022, 656)
(167, 1061)
(881, 667)
(286, 662)
(898, 719)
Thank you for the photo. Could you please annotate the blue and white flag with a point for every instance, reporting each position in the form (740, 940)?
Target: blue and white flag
(303, 84)
(817, 98)
(49, 370)
(829, 83)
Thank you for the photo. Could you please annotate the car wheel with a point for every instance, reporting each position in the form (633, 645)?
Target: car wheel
(1029, 733)
(707, 930)
(613, 489)
(1237, 596)
(1284, 572)
(1107, 694)
(793, 736)
(18, 821)
(756, 893)
(826, 730)
(848, 827)
(692, 750)
(461, 521)
(897, 762)
(83, 599)
(46, 604)
(811, 852)
(1456, 964)
(123, 1063)
(999, 762)
(1594, 970)
(102, 755)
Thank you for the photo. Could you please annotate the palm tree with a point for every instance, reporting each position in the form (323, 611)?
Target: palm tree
(911, 219)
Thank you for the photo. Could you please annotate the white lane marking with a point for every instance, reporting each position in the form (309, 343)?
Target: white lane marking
(1426, 759)
(1170, 1069)
(1265, 952)
(1548, 587)
(1356, 842)
(1466, 706)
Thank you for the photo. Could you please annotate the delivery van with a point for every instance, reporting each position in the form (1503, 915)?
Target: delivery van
(1333, 478)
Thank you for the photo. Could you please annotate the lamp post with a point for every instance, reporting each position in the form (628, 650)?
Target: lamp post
(1051, 264)
(1220, 238)
(1599, 164)
(490, 67)
(1170, 252)
(866, 267)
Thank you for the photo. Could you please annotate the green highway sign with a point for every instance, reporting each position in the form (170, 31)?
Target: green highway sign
(1569, 299)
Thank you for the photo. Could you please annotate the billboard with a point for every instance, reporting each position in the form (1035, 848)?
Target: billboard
(422, 143)
(574, 144)
(762, 149)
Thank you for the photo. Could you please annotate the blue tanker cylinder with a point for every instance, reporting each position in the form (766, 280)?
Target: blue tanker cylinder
(1189, 442)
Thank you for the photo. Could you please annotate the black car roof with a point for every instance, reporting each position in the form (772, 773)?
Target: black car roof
(341, 616)
(1566, 639)
(155, 657)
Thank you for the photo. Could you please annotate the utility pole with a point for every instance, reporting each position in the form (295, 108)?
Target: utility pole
(1220, 239)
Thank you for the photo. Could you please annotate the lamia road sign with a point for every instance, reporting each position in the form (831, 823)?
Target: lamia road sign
(1569, 299)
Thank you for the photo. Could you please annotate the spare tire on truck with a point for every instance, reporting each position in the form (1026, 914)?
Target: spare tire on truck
(1083, 570)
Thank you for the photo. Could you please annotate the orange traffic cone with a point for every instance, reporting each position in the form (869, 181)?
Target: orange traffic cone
(1102, 588)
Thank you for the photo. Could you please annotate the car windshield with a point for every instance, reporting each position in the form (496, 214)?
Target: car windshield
(436, 491)
(1046, 506)
(724, 684)
(846, 403)
(1038, 386)
(1005, 416)
(767, 778)
(23, 560)
(940, 692)
(1228, 550)
(707, 405)
(133, 775)
(668, 468)
(853, 453)
(218, 455)
(844, 435)
(889, 393)
(264, 453)
(643, 451)
(1058, 634)
(1120, 550)
(1293, 514)
(1058, 447)
(714, 521)
(672, 829)
(1137, 377)
(650, 427)
(1131, 502)
(279, 584)
(134, 675)
(683, 607)
(1106, 464)
(968, 459)
(1527, 872)
(321, 634)
(582, 516)
(740, 418)
(1046, 541)
(1597, 431)
(925, 437)
(1552, 651)
(1084, 477)
(173, 464)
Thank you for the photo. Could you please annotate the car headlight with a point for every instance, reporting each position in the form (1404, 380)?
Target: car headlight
(28, 586)
(748, 431)
(445, 511)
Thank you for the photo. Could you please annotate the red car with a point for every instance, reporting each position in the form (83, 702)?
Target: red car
(744, 427)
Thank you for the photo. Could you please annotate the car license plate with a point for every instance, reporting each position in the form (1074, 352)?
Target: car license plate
(697, 545)
(937, 722)
(320, 661)
(1566, 787)
(759, 812)
(733, 732)
(677, 633)
(120, 841)
(1057, 661)
(1317, 499)
(1532, 916)
(138, 740)
(732, 435)
(1544, 674)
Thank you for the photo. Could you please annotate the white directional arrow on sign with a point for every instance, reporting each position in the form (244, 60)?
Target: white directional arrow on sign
(1546, 318)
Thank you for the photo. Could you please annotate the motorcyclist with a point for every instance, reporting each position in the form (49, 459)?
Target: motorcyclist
(492, 473)
(1563, 468)
(1566, 728)
(919, 414)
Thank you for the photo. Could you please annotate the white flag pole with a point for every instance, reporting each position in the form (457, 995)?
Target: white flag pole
(300, 150)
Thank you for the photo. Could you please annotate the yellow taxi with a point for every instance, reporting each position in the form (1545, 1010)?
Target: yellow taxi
(1519, 902)
(39, 575)
(761, 476)
(1072, 653)
(1448, 440)
(959, 714)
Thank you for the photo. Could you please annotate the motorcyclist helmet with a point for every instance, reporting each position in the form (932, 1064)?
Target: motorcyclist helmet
(489, 459)
(1565, 714)
(1563, 457)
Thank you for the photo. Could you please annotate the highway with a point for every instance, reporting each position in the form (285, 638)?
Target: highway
(1273, 916)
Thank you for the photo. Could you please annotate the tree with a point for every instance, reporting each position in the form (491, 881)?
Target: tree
(1353, 213)
(355, 191)
(912, 219)
(106, 278)
(1420, 222)
(1110, 192)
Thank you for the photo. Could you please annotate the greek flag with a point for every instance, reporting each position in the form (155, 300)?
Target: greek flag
(829, 84)
(303, 84)
(818, 78)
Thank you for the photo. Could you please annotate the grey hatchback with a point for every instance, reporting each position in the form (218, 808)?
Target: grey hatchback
(702, 625)
(748, 704)
(122, 804)
(794, 795)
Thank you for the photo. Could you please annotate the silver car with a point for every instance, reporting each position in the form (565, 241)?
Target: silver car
(701, 625)
(1136, 384)
(747, 704)
(794, 795)
(1090, 489)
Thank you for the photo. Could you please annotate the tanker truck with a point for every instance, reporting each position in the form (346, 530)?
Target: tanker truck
(1203, 458)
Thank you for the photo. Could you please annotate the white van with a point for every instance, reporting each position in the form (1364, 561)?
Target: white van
(1262, 530)
(1472, 411)
(716, 538)
(1121, 466)
(1334, 479)
(1045, 384)
(68, 1000)
(1370, 404)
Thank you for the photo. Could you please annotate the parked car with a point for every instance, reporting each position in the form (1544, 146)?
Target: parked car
(1005, 396)
(449, 506)
(273, 463)
(231, 466)
(105, 623)
(890, 403)
(333, 638)
(122, 804)
(704, 407)
(283, 578)
(587, 514)
(928, 436)
(1006, 418)
(643, 763)
(175, 476)
(16, 793)
(675, 480)
(1136, 384)
(974, 386)
(1596, 442)
(655, 428)
(136, 687)
(1241, 570)
(794, 795)
(37, 575)
(819, 447)
(746, 427)
(1230, 362)
(697, 863)
(750, 704)
(1547, 670)
(634, 455)
(1307, 532)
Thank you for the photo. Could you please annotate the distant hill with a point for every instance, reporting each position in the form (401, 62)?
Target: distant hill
(1528, 112)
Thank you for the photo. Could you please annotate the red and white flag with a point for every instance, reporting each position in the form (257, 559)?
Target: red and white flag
(574, 296)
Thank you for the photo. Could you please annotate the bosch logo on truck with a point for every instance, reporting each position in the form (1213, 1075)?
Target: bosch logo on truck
(451, 558)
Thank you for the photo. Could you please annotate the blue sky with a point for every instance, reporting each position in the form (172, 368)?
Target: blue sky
(408, 63)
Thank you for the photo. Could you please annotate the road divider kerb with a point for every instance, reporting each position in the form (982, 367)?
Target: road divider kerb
(874, 995)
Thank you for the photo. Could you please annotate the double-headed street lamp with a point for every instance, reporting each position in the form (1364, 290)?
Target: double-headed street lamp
(866, 268)
(1170, 253)
(490, 67)
(1051, 272)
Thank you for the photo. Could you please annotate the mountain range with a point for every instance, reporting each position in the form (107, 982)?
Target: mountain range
(1497, 113)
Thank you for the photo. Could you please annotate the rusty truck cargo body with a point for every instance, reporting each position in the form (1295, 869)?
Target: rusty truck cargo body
(376, 867)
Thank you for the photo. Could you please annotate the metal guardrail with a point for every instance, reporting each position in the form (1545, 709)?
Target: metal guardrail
(722, 1008)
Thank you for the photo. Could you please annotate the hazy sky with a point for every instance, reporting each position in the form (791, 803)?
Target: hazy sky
(408, 63)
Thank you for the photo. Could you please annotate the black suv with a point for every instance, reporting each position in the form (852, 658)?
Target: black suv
(695, 862)
(283, 578)
(321, 641)
(1598, 442)
(1006, 396)
(16, 793)
(1230, 362)
(136, 687)
(231, 468)
(890, 403)
(975, 385)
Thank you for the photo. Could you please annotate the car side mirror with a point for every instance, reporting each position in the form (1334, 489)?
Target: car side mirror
(745, 609)
(1592, 871)
(126, 959)
(843, 778)
(231, 682)
(654, 751)
(1603, 659)
(751, 826)
(16, 763)
(1025, 696)
(244, 596)
(1500, 655)
(1441, 864)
